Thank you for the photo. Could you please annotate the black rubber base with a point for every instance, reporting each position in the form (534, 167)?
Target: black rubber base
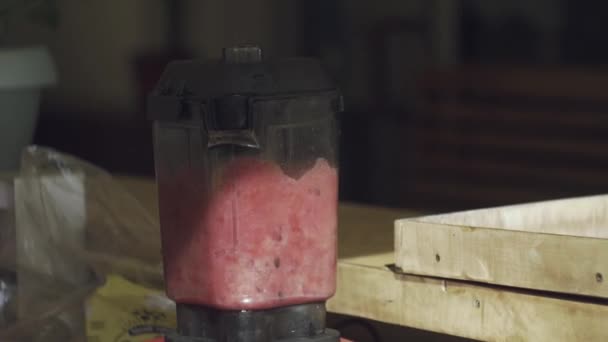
(329, 335)
(296, 323)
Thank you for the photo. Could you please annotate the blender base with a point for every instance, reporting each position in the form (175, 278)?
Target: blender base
(296, 323)
(329, 335)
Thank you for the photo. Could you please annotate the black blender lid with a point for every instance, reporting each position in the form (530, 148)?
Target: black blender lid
(241, 71)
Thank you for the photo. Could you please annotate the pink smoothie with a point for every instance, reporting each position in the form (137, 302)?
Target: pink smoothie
(262, 239)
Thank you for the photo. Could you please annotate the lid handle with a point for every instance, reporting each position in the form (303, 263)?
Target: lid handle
(229, 121)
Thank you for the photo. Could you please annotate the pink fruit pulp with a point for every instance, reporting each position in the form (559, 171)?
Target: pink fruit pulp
(262, 239)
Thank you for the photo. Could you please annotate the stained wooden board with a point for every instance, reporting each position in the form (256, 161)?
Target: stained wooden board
(559, 246)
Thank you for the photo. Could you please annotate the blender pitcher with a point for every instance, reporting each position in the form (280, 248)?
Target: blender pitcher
(246, 167)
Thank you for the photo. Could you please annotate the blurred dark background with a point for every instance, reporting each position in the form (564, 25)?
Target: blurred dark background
(449, 104)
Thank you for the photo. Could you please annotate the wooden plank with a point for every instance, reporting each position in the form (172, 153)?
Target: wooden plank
(560, 83)
(452, 137)
(559, 246)
(469, 194)
(520, 259)
(517, 173)
(581, 216)
(548, 117)
(462, 309)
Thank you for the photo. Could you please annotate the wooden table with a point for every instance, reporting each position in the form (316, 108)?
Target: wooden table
(368, 288)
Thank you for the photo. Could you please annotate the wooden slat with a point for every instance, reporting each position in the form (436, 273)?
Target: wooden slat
(461, 195)
(540, 146)
(513, 173)
(462, 309)
(559, 245)
(573, 84)
(579, 216)
(453, 111)
(513, 258)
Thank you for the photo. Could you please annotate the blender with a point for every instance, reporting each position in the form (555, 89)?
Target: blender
(245, 154)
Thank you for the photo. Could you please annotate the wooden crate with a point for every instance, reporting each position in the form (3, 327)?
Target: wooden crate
(555, 246)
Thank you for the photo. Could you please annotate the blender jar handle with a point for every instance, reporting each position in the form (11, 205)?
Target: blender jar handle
(229, 121)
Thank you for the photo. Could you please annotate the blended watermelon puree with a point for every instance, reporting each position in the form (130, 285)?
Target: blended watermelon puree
(261, 239)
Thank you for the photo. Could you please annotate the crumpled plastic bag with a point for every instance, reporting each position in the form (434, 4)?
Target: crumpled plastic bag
(120, 235)
(74, 224)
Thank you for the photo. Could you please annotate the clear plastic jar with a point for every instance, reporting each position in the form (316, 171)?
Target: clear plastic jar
(249, 219)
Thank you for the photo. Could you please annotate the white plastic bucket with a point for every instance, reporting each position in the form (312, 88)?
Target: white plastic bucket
(23, 74)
